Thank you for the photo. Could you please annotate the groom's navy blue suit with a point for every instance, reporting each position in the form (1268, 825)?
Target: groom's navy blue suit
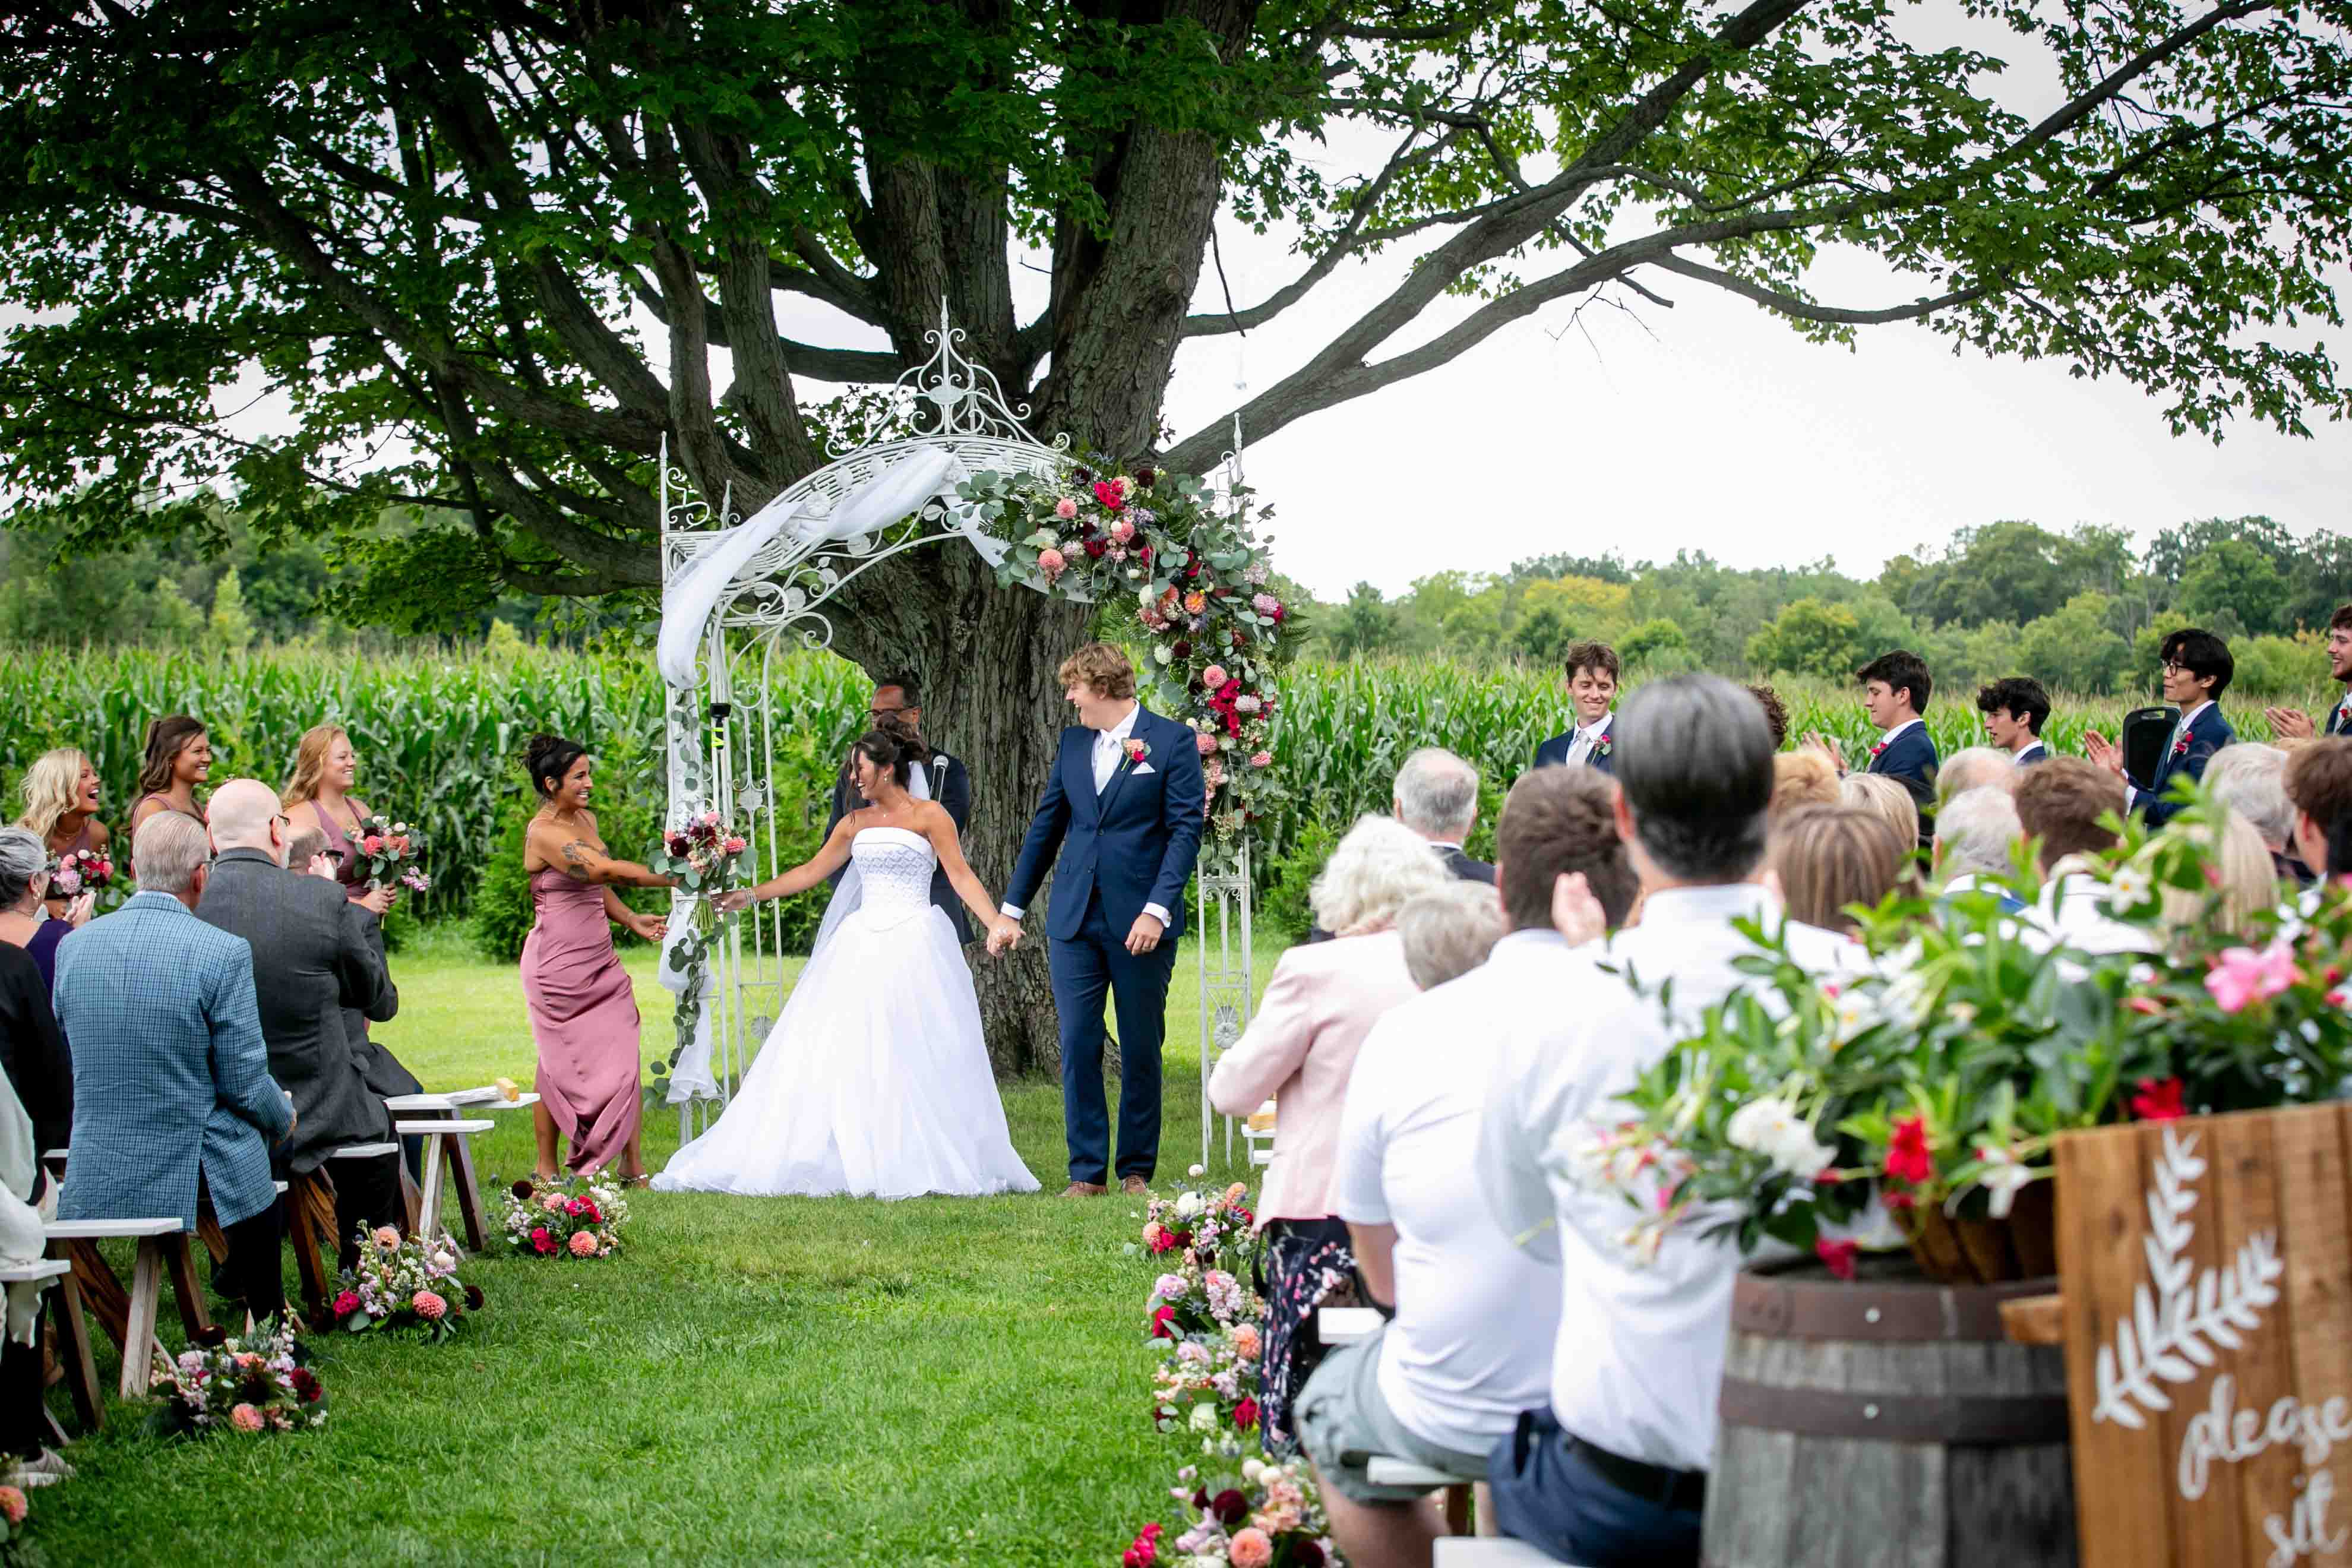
(1132, 845)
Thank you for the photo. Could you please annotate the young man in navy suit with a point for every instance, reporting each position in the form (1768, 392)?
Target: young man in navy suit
(1894, 691)
(2196, 671)
(2290, 724)
(2015, 708)
(1592, 687)
(1123, 808)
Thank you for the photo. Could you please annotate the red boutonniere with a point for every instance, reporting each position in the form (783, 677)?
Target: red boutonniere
(1135, 752)
(2180, 747)
(1877, 750)
(1601, 746)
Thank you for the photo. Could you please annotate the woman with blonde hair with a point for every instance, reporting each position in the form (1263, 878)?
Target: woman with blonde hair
(2248, 885)
(325, 768)
(1887, 797)
(61, 798)
(1826, 858)
(1300, 1048)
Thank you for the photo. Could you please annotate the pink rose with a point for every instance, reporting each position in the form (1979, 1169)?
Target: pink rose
(1265, 604)
(428, 1306)
(12, 1505)
(1214, 677)
(1261, 759)
(1246, 1343)
(373, 844)
(552, 1203)
(583, 1243)
(1050, 562)
(1066, 509)
(735, 845)
(1204, 744)
(1122, 530)
(245, 1418)
(386, 1239)
(1250, 1548)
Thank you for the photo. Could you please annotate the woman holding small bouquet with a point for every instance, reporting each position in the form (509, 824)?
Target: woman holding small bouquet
(325, 768)
(583, 1013)
(875, 1081)
(61, 799)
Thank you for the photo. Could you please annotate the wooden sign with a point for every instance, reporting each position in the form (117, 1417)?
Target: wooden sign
(2205, 1265)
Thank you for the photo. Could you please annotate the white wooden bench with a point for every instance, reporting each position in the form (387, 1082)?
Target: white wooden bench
(1257, 1134)
(76, 1366)
(445, 1144)
(451, 1106)
(162, 1248)
(1487, 1551)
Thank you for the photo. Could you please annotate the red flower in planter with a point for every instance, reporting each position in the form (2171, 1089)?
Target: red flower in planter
(2159, 1099)
(1907, 1159)
(1838, 1256)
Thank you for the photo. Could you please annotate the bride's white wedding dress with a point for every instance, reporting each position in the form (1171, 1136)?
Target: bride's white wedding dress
(875, 1081)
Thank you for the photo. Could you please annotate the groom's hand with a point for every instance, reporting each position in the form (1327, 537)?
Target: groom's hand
(1144, 935)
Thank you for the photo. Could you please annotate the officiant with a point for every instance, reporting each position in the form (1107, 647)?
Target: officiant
(897, 705)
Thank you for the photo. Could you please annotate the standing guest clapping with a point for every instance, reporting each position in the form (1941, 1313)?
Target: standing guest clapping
(177, 761)
(2292, 723)
(1299, 1049)
(311, 962)
(171, 1089)
(61, 799)
(2196, 670)
(583, 1012)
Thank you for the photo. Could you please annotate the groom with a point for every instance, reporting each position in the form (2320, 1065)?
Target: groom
(1123, 808)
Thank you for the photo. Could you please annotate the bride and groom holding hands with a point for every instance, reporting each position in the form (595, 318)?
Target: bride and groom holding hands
(875, 1080)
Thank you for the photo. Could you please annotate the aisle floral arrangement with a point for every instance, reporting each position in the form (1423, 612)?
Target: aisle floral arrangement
(405, 1286)
(1935, 1080)
(244, 1386)
(391, 850)
(1208, 1326)
(1198, 579)
(16, 1538)
(571, 1218)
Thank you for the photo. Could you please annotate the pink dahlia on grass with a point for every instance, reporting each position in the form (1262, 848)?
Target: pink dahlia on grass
(387, 1239)
(13, 1507)
(245, 1418)
(1250, 1548)
(582, 1244)
(430, 1306)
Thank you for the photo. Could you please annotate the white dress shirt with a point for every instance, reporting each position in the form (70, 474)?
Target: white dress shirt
(1638, 1362)
(1887, 739)
(1472, 1343)
(1105, 759)
(1588, 739)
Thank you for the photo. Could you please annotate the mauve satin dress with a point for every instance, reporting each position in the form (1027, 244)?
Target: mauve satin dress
(583, 1018)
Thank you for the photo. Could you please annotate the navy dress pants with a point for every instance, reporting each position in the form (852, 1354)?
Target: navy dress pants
(1094, 962)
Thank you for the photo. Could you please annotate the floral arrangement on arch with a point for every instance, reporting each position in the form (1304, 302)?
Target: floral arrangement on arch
(1197, 580)
(575, 1219)
(244, 1387)
(404, 1286)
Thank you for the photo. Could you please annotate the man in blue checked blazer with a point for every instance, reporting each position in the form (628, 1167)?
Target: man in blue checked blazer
(171, 1089)
(1124, 809)
(2196, 671)
(2291, 725)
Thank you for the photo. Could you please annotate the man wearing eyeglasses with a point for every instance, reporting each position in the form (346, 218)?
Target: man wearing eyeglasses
(311, 960)
(897, 703)
(2196, 671)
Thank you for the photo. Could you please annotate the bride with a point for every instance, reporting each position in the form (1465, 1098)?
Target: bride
(875, 1081)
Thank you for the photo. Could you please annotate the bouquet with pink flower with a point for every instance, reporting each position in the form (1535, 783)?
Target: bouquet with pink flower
(1255, 1514)
(15, 1540)
(1208, 1383)
(87, 871)
(248, 1386)
(405, 1286)
(572, 1218)
(391, 850)
(1201, 1241)
(705, 854)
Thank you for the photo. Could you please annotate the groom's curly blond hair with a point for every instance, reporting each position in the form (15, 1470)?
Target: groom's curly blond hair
(1103, 668)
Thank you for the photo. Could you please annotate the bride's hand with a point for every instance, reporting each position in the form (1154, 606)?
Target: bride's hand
(734, 902)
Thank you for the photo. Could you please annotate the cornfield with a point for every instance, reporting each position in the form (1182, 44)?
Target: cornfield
(440, 738)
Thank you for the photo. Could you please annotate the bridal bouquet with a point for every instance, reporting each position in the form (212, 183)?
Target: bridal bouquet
(86, 871)
(247, 1386)
(549, 1219)
(390, 851)
(405, 1286)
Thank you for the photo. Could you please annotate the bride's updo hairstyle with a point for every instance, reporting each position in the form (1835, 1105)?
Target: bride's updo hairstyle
(550, 757)
(891, 748)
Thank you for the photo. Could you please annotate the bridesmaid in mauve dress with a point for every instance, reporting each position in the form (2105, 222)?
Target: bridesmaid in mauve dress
(583, 1014)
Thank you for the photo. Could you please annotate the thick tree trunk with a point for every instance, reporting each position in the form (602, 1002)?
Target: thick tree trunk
(985, 658)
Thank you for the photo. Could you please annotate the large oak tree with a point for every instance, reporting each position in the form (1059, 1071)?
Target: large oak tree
(488, 252)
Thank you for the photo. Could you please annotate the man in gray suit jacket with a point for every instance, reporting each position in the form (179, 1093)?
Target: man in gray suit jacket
(171, 1089)
(311, 960)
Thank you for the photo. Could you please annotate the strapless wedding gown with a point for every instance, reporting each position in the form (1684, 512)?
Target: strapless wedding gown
(875, 1081)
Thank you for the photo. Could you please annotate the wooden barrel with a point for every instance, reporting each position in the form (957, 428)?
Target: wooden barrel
(1887, 1421)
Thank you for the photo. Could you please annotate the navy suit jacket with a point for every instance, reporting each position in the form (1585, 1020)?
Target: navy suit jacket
(2036, 752)
(1910, 759)
(2208, 734)
(2337, 724)
(1132, 845)
(1553, 753)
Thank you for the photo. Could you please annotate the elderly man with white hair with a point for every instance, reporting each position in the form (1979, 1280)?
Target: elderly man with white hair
(1973, 768)
(1976, 834)
(1437, 795)
(2250, 779)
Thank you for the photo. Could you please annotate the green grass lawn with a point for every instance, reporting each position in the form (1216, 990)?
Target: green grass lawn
(771, 1379)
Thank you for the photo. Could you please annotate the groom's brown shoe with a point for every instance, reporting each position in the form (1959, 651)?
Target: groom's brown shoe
(1135, 1187)
(1084, 1190)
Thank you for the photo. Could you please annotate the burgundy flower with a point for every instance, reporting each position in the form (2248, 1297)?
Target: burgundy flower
(1081, 476)
(1145, 475)
(472, 1298)
(1230, 1507)
(1245, 1414)
(1201, 1498)
(305, 1385)
(1160, 1329)
(521, 1189)
(1182, 649)
(1097, 547)
(1306, 1554)
(1143, 554)
(212, 1336)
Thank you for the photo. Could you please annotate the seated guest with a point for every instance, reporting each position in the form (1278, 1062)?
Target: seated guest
(2061, 805)
(2251, 780)
(1471, 1344)
(24, 1419)
(2196, 671)
(1775, 713)
(1977, 835)
(2248, 887)
(1889, 799)
(32, 1051)
(2294, 724)
(1612, 1470)
(1803, 778)
(171, 1089)
(307, 852)
(1448, 931)
(1437, 795)
(311, 960)
(1591, 687)
(1299, 1049)
(2014, 710)
(1825, 858)
(2319, 784)
(1974, 767)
